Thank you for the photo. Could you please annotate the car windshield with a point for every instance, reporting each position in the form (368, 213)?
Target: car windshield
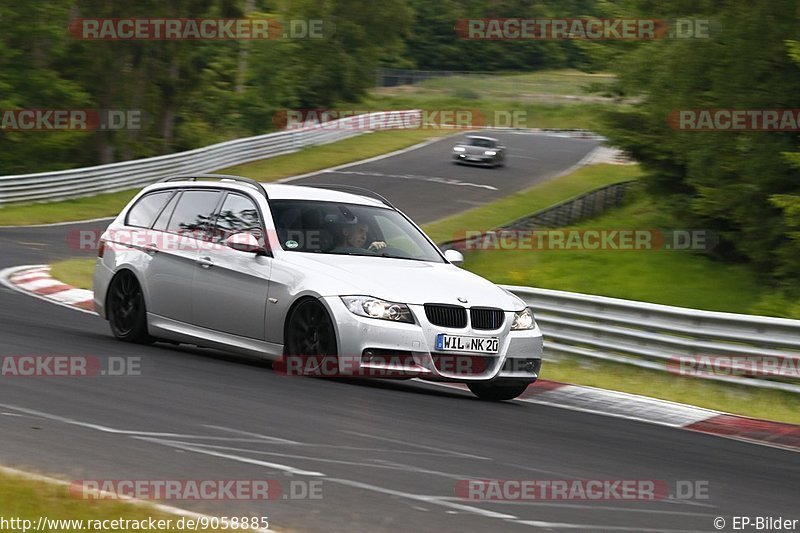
(483, 143)
(349, 229)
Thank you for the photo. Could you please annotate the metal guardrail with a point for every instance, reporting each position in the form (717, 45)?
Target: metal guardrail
(65, 184)
(662, 337)
(588, 204)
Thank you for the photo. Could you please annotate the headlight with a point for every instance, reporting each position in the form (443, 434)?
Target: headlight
(523, 320)
(381, 309)
(459, 149)
(489, 152)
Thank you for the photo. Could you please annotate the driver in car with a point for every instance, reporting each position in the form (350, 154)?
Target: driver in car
(355, 236)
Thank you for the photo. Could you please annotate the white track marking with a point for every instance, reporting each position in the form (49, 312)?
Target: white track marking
(559, 505)
(603, 527)
(238, 458)
(372, 463)
(72, 296)
(433, 179)
(365, 161)
(564, 404)
(278, 441)
(633, 406)
(255, 435)
(101, 428)
(421, 470)
(420, 446)
(36, 284)
(36, 273)
(6, 273)
(435, 500)
(68, 223)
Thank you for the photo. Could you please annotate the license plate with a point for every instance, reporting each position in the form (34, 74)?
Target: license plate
(473, 159)
(456, 343)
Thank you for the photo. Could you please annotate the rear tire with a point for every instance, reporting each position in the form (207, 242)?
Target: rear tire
(127, 314)
(498, 391)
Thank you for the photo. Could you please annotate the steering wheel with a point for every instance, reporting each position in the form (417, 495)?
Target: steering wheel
(390, 250)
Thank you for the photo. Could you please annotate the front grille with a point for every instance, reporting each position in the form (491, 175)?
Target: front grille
(446, 316)
(486, 318)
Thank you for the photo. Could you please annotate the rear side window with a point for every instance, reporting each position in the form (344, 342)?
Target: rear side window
(146, 209)
(166, 213)
(192, 215)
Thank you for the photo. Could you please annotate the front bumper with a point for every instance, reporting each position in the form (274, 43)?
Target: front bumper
(379, 348)
(475, 159)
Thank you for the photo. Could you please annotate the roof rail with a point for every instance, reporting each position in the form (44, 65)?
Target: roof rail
(194, 177)
(351, 189)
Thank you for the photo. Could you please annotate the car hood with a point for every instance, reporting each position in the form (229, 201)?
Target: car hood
(400, 280)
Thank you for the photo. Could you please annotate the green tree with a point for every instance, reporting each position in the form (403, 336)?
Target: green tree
(719, 180)
(32, 46)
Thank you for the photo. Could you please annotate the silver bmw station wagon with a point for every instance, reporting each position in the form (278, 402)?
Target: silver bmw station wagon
(324, 280)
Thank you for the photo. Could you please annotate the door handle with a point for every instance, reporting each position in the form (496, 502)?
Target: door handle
(151, 249)
(205, 262)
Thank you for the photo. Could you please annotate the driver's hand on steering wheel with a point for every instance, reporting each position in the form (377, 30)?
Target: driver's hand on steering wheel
(377, 245)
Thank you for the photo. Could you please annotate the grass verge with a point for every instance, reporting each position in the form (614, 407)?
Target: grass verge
(669, 277)
(101, 205)
(306, 160)
(529, 201)
(736, 399)
(75, 272)
(25, 499)
(542, 99)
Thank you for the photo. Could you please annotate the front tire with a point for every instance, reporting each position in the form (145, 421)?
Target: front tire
(310, 336)
(127, 314)
(498, 391)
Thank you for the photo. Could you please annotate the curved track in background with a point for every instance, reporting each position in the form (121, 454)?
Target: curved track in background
(389, 454)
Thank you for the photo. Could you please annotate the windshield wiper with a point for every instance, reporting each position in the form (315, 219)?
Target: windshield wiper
(403, 257)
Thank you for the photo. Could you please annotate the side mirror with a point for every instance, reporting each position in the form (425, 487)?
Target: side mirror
(454, 256)
(244, 242)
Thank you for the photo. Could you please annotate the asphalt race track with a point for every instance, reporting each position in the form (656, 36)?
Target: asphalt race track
(388, 454)
(427, 185)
